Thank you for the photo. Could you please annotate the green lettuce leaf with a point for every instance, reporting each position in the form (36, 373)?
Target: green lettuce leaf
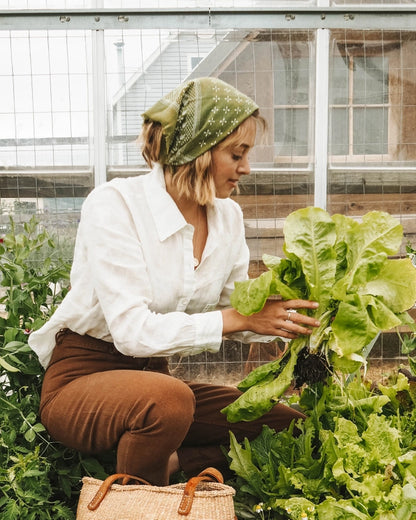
(262, 373)
(310, 235)
(380, 314)
(369, 243)
(395, 285)
(250, 296)
(339, 509)
(352, 328)
(408, 504)
(382, 440)
(243, 465)
(345, 265)
(260, 398)
(378, 232)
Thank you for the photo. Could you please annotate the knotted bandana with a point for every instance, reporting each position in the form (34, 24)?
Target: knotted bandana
(196, 116)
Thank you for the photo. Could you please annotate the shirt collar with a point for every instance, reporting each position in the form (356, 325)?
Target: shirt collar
(166, 215)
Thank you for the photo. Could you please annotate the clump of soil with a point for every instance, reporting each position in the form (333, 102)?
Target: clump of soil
(310, 368)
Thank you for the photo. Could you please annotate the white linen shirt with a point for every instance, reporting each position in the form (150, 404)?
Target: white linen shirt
(133, 280)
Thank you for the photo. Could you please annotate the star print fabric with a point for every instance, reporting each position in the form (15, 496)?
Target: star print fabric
(196, 116)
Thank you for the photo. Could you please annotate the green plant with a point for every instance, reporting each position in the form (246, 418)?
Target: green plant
(347, 267)
(353, 457)
(39, 479)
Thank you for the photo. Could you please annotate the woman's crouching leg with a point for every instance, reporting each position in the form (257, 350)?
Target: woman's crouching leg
(155, 431)
(145, 414)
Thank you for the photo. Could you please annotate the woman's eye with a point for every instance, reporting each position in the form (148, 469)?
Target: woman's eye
(236, 157)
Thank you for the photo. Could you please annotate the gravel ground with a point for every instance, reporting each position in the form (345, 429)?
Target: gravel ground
(379, 369)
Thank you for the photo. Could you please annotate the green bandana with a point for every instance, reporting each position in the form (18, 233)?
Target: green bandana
(196, 116)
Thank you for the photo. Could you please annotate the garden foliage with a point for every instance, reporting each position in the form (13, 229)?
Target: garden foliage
(39, 479)
(353, 457)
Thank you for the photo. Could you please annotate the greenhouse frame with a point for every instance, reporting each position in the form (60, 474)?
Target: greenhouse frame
(335, 81)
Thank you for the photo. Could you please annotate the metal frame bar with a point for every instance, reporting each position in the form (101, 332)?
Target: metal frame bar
(99, 108)
(321, 18)
(321, 118)
(345, 17)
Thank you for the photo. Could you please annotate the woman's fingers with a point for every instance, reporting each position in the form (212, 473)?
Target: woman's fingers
(292, 327)
(287, 319)
(294, 323)
(298, 304)
(302, 319)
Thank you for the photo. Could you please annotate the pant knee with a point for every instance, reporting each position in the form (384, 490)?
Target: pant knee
(169, 409)
(177, 406)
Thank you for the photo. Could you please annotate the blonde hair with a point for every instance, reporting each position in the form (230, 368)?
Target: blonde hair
(193, 180)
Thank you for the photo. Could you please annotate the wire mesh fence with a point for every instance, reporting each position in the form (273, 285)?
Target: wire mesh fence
(54, 131)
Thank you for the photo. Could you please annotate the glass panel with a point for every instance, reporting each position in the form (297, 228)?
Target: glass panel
(291, 131)
(291, 78)
(370, 131)
(371, 80)
(293, 82)
(46, 4)
(339, 81)
(46, 100)
(379, 70)
(6, 98)
(6, 65)
(141, 67)
(45, 134)
(42, 95)
(22, 91)
(339, 143)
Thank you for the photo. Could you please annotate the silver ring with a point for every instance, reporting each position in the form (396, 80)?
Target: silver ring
(289, 312)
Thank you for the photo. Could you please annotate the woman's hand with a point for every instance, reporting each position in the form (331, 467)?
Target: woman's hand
(277, 318)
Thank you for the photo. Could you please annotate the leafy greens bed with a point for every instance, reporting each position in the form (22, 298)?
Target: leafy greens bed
(347, 267)
(354, 457)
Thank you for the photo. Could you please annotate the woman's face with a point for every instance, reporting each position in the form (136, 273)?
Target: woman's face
(230, 158)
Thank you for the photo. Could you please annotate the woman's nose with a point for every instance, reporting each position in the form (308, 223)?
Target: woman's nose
(244, 166)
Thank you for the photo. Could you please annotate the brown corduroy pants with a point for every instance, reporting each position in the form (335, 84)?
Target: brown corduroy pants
(95, 399)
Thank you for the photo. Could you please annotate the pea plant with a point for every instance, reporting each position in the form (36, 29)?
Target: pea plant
(39, 479)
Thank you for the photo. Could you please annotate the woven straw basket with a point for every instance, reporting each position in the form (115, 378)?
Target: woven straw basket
(198, 499)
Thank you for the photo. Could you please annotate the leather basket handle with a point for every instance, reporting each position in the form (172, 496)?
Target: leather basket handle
(208, 475)
(105, 486)
(214, 474)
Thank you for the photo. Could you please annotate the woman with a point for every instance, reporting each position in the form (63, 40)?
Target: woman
(155, 261)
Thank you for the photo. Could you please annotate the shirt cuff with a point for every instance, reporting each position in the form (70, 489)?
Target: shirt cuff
(208, 333)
